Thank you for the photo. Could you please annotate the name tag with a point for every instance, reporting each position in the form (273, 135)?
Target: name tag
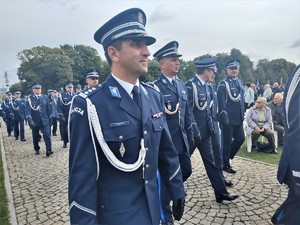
(124, 123)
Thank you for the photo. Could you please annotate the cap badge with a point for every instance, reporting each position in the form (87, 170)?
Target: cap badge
(140, 17)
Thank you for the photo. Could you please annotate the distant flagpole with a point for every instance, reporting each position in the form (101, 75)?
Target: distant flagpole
(281, 81)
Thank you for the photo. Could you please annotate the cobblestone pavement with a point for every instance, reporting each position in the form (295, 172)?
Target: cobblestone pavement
(39, 188)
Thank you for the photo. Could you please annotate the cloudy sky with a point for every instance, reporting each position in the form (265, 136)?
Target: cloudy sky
(261, 29)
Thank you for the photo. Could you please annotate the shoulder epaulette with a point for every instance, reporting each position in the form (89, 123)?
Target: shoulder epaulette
(150, 86)
(90, 91)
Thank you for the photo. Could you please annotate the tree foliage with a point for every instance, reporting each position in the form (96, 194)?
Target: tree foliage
(53, 67)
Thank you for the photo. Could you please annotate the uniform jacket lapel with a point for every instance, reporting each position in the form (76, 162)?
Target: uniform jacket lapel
(126, 102)
(168, 84)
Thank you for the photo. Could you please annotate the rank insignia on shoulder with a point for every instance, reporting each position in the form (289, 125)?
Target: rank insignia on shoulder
(114, 91)
(157, 115)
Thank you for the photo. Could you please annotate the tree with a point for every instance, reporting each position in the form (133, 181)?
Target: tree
(83, 58)
(50, 67)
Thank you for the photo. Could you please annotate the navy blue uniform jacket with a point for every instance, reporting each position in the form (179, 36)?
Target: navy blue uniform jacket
(180, 124)
(202, 114)
(38, 110)
(231, 112)
(98, 192)
(289, 164)
(18, 107)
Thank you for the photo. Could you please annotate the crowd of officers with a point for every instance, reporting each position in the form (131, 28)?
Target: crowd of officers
(44, 114)
(196, 112)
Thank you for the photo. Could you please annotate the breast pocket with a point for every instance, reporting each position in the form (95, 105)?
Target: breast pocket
(158, 124)
(170, 102)
(119, 132)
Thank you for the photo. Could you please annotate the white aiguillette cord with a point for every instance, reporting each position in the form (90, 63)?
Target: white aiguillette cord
(94, 120)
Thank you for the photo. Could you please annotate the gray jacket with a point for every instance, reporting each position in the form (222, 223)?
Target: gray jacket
(252, 118)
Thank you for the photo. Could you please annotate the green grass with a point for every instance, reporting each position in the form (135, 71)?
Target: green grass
(4, 216)
(259, 156)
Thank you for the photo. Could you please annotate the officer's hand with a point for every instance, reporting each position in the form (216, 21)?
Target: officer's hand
(50, 121)
(197, 140)
(223, 119)
(62, 118)
(178, 208)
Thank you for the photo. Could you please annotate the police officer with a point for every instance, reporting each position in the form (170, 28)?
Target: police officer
(18, 106)
(215, 136)
(55, 117)
(231, 113)
(199, 100)
(119, 136)
(7, 113)
(78, 89)
(38, 114)
(63, 108)
(178, 116)
(289, 166)
(92, 77)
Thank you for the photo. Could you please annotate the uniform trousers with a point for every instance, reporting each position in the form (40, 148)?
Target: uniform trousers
(19, 129)
(214, 174)
(65, 131)
(9, 125)
(46, 135)
(232, 139)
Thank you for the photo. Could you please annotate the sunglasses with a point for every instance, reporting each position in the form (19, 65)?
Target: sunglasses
(94, 78)
(233, 68)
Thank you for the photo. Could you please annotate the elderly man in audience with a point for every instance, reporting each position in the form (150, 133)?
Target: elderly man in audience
(259, 120)
(278, 117)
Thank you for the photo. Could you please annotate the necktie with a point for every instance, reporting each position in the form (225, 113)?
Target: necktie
(136, 95)
(174, 82)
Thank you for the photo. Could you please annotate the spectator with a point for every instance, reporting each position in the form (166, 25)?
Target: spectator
(276, 107)
(259, 120)
(249, 96)
(268, 92)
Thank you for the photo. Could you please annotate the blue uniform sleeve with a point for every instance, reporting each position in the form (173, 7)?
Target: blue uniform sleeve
(190, 92)
(222, 95)
(28, 112)
(168, 163)
(83, 166)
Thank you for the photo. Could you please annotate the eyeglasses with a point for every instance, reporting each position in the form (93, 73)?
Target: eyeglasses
(233, 68)
(258, 102)
(94, 78)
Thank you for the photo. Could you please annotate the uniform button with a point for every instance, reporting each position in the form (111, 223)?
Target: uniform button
(159, 127)
(146, 182)
(102, 206)
(147, 149)
(120, 137)
(145, 132)
(147, 166)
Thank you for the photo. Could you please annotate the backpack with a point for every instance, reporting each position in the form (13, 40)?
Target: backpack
(265, 148)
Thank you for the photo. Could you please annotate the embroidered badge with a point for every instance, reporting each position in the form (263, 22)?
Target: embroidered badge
(114, 91)
(157, 115)
(78, 110)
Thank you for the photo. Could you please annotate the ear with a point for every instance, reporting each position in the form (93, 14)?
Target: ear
(113, 54)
